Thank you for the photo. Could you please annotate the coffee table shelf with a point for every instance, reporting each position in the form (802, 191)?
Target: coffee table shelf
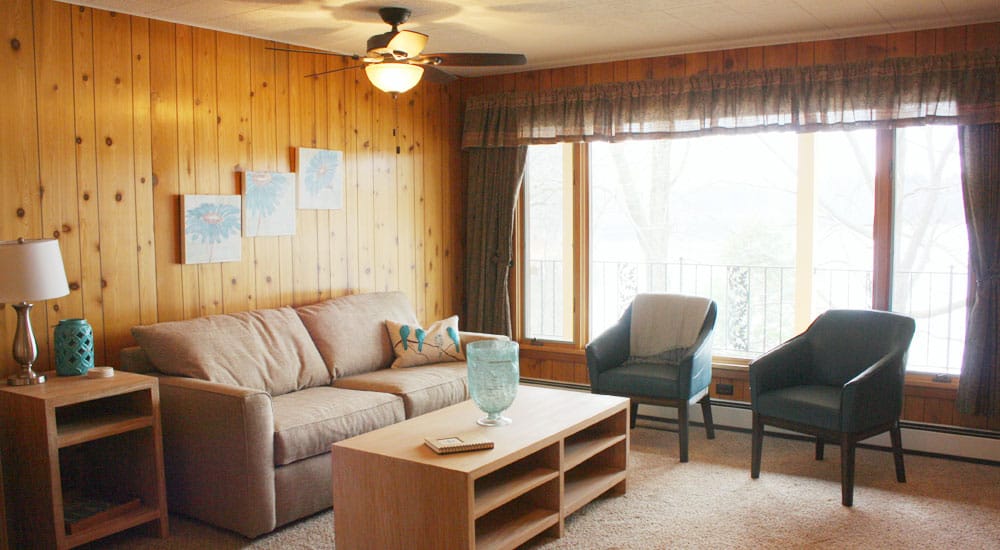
(587, 482)
(498, 488)
(582, 449)
(563, 450)
(509, 527)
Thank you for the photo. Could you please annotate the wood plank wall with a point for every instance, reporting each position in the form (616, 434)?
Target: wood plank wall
(925, 401)
(109, 118)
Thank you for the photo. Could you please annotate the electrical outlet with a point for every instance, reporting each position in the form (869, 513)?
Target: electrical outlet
(724, 389)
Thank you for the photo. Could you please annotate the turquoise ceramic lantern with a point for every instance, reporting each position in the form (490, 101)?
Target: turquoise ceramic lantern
(74, 347)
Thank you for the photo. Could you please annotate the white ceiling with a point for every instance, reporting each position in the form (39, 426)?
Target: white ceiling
(554, 33)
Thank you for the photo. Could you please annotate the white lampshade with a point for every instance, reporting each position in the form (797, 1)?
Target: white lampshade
(394, 78)
(31, 270)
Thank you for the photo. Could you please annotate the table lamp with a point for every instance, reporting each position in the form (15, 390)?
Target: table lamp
(30, 270)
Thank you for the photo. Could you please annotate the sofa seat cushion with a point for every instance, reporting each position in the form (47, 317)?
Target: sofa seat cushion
(267, 349)
(307, 422)
(350, 331)
(423, 389)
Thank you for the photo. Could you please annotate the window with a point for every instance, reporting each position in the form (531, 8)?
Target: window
(548, 214)
(771, 226)
(668, 216)
(844, 210)
(931, 248)
(776, 227)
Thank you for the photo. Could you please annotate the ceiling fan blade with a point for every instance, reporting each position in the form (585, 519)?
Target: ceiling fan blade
(293, 50)
(472, 59)
(410, 42)
(437, 76)
(337, 70)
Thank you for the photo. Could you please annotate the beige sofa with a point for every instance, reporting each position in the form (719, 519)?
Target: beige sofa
(251, 402)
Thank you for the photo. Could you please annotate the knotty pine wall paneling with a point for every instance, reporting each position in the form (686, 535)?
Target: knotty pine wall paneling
(19, 155)
(109, 119)
(924, 401)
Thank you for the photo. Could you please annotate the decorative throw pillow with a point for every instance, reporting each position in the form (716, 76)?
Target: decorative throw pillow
(413, 345)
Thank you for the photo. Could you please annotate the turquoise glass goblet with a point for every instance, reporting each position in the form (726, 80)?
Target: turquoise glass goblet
(493, 378)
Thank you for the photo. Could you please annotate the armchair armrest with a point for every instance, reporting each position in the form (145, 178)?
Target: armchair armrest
(875, 396)
(696, 366)
(610, 349)
(218, 446)
(783, 366)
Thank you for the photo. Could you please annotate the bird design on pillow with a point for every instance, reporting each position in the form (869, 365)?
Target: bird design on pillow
(404, 333)
(421, 334)
(416, 345)
(453, 334)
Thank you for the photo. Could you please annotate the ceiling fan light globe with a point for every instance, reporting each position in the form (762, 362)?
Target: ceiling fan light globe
(394, 78)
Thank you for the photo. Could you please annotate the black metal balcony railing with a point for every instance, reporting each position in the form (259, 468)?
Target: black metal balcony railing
(757, 303)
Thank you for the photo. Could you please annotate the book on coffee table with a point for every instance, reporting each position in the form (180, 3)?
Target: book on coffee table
(458, 443)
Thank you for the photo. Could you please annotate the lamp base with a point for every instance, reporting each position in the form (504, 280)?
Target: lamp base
(25, 350)
(26, 377)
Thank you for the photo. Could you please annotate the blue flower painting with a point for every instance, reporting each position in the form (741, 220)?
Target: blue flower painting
(269, 199)
(321, 179)
(212, 227)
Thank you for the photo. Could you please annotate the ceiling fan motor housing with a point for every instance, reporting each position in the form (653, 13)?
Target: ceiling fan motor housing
(394, 16)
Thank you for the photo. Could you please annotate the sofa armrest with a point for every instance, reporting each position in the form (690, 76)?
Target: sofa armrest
(467, 337)
(218, 446)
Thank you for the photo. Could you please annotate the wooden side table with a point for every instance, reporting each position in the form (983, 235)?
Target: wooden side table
(83, 458)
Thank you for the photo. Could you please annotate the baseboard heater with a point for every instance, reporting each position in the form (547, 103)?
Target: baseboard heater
(952, 442)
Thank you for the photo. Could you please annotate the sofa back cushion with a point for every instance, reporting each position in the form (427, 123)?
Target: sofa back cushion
(267, 349)
(350, 331)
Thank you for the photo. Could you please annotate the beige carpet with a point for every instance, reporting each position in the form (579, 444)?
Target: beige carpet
(711, 502)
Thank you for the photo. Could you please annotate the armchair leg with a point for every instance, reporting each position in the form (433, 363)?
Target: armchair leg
(706, 413)
(819, 448)
(897, 452)
(758, 442)
(847, 470)
(632, 412)
(682, 430)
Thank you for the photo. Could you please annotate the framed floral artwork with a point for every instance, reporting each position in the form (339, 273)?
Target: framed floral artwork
(212, 227)
(321, 179)
(268, 204)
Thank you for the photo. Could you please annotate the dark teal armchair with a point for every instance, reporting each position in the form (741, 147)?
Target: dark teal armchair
(841, 381)
(678, 383)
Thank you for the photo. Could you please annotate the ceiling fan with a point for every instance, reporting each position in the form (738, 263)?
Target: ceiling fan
(395, 61)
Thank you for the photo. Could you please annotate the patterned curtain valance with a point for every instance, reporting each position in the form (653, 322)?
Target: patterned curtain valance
(956, 88)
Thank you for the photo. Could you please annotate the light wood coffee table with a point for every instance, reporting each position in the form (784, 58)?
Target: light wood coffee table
(563, 450)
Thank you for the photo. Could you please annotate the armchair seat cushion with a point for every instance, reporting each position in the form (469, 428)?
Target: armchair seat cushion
(813, 405)
(642, 379)
(307, 422)
(422, 389)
